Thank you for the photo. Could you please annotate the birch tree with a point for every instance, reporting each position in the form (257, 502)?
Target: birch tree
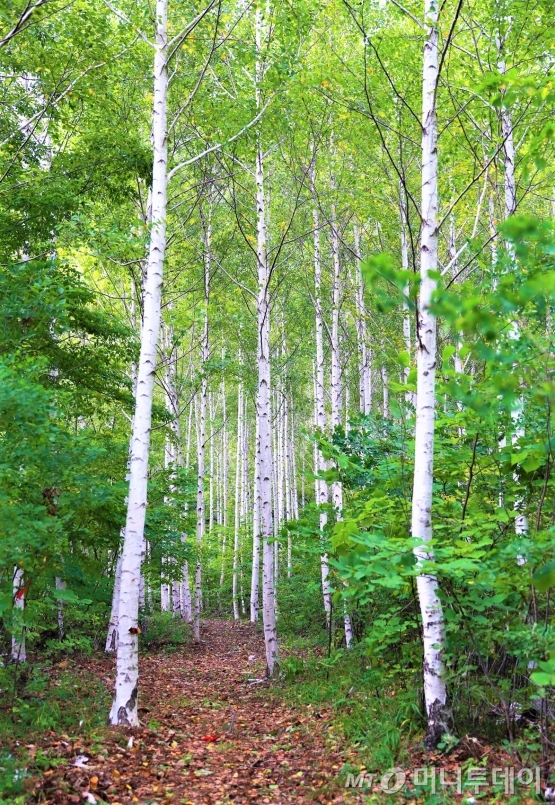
(435, 691)
(336, 380)
(124, 707)
(205, 354)
(321, 487)
(263, 397)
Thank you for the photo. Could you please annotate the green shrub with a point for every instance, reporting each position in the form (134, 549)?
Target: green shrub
(162, 630)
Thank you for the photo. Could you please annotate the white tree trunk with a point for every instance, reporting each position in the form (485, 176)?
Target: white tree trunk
(112, 635)
(60, 585)
(205, 348)
(263, 397)
(186, 603)
(18, 653)
(365, 368)
(176, 598)
(509, 181)
(111, 639)
(238, 471)
(320, 486)
(244, 498)
(294, 479)
(385, 392)
(335, 387)
(255, 578)
(212, 465)
(410, 397)
(165, 589)
(124, 708)
(287, 473)
(170, 596)
(435, 692)
(225, 480)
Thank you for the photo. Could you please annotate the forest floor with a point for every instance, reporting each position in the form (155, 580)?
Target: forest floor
(209, 736)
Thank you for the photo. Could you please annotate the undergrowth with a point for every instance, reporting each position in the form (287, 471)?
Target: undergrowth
(38, 698)
(378, 715)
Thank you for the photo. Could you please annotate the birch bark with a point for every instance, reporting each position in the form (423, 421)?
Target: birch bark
(365, 368)
(509, 181)
(255, 578)
(435, 692)
(385, 392)
(18, 653)
(320, 485)
(410, 396)
(287, 473)
(111, 638)
(124, 707)
(205, 351)
(335, 386)
(263, 406)
(238, 471)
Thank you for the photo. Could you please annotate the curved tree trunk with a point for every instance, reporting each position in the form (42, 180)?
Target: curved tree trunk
(124, 707)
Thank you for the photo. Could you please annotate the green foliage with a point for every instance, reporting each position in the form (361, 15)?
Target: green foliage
(12, 780)
(380, 716)
(44, 697)
(161, 630)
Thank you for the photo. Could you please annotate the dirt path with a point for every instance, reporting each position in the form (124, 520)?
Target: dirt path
(209, 737)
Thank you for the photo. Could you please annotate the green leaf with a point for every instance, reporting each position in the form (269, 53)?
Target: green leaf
(542, 679)
(447, 354)
(544, 577)
(403, 359)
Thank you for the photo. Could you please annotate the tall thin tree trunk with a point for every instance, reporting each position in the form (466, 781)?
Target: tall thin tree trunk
(435, 692)
(244, 499)
(112, 635)
(212, 465)
(202, 421)
(287, 473)
(238, 471)
(124, 708)
(255, 577)
(365, 368)
(337, 488)
(294, 477)
(263, 398)
(321, 486)
(410, 397)
(509, 182)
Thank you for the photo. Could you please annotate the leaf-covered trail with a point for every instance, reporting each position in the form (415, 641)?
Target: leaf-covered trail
(211, 737)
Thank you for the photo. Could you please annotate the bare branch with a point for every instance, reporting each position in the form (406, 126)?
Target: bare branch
(23, 21)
